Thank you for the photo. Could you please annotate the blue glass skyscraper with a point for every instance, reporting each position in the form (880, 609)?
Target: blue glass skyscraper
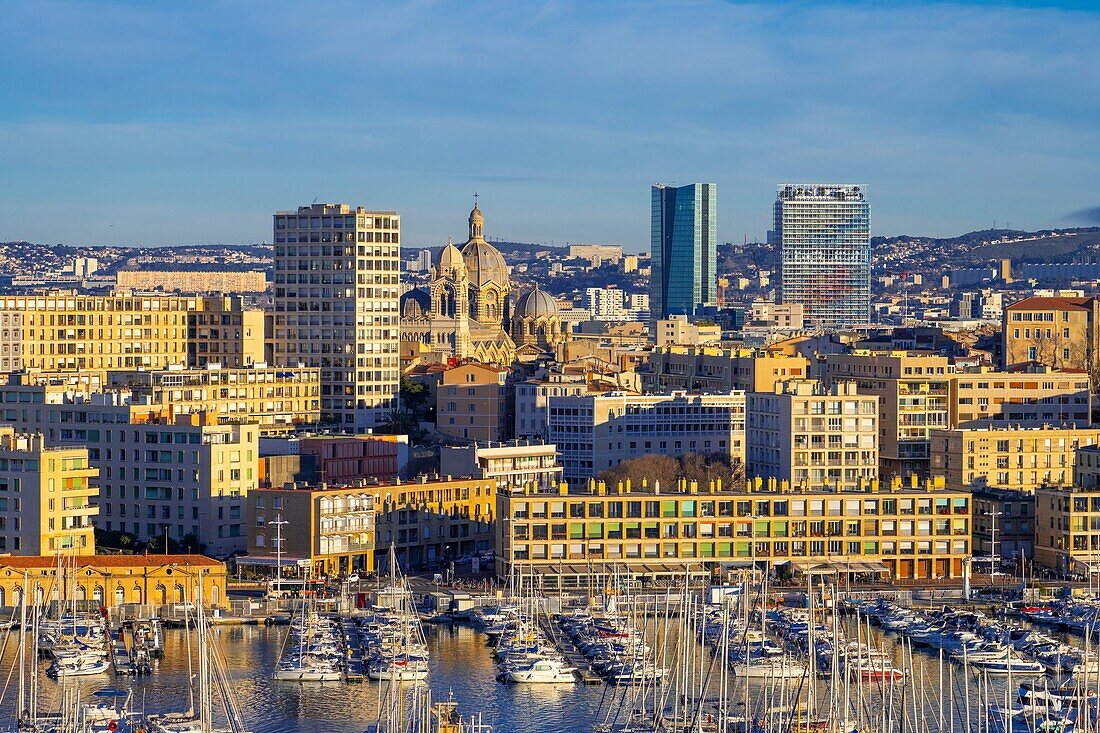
(684, 249)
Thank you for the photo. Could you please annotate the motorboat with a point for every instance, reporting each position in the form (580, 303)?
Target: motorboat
(542, 671)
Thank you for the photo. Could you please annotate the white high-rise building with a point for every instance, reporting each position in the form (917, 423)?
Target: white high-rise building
(823, 233)
(337, 285)
(606, 304)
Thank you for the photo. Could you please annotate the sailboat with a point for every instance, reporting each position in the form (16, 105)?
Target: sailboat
(209, 687)
(398, 648)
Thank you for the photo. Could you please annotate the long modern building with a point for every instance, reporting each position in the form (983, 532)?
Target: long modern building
(824, 238)
(66, 330)
(336, 297)
(571, 538)
(684, 247)
(1010, 457)
(597, 432)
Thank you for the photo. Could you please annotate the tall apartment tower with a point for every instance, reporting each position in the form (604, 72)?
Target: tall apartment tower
(336, 307)
(684, 249)
(824, 238)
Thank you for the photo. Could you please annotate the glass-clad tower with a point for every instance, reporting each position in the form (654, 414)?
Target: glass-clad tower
(824, 238)
(684, 249)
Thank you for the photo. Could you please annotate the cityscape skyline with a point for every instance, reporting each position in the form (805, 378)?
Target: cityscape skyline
(166, 138)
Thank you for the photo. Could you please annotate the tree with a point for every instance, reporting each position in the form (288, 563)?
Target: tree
(414, 396)
(400, 422)
(669, 470)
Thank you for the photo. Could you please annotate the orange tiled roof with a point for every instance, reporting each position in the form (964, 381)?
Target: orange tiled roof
(1044, 303)
(107, 561)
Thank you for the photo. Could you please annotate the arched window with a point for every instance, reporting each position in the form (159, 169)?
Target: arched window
(97, 595)
(120, 595)
(260, 540)
(181, 596)
(161, 594)
(137, 594)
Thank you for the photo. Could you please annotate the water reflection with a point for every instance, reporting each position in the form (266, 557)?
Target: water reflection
(462, 665)
(460, 660)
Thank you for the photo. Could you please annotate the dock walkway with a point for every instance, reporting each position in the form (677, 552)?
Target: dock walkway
(572, 655)
(355, 666)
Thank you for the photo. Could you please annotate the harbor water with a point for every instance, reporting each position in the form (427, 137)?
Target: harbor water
(461, 665)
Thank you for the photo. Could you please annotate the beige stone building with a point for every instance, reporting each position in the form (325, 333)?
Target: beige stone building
(181, 474)
(913, 390)
(47, 497)
(335, 299)
(1033, 397)
(1086, 471)
(714, 369)
(110, 581)
(225, 333)
(340, 530)
(595, 432)
(679, 331)
(64, 330)
(1060, 332)
(533, 400)
(812, 436)
(278, 399)
(1067, 529)
(1009, 457)
(575, 537)
(473, 402)
(194, 281)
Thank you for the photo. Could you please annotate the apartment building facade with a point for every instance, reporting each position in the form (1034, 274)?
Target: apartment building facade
(571, 536)
(913, 390)
(1009, 457)
(47, 497)
(533, 399)
(812, 436)
(69, 331)
(280, 400)
(1060, 332)
(342, 530)
(336, 291)
(181, 475)
(714, 369)
(474, 402)
(1067, 529)
(1035, 396)
(595, 432)
(512, 463)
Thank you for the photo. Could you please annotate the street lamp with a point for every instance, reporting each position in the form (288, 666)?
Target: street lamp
(994, 556)
(278, 523)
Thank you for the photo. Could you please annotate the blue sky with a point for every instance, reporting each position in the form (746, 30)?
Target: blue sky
(169, 123)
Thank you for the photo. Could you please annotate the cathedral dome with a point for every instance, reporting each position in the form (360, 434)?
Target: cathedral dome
(485, 264)
(450, 261)
(536, 303)
(415, 303)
